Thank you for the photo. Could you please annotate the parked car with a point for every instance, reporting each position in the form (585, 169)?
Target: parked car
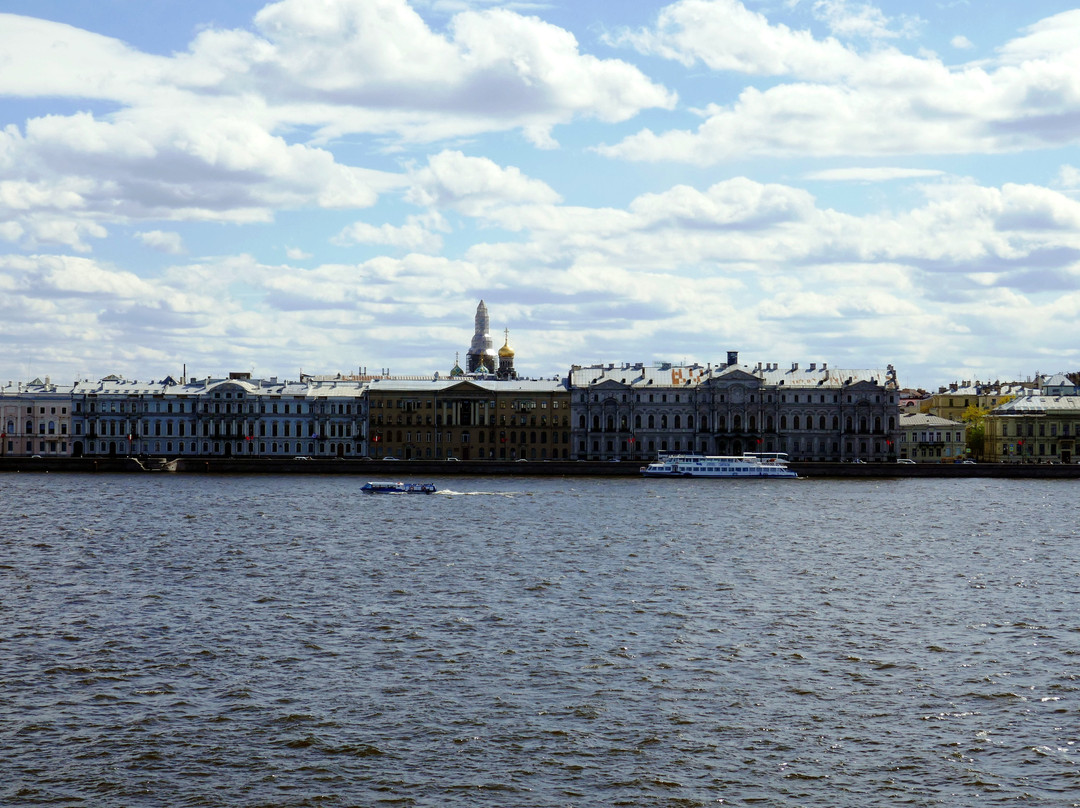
(906, 461)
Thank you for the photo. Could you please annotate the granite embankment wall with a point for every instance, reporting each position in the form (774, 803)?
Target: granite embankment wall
(376, 469)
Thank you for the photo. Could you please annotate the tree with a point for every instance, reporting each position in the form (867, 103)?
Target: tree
(975, 418)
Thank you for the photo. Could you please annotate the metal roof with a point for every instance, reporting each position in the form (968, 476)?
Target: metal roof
(639, 375)
(923, 419)
(1037, 404)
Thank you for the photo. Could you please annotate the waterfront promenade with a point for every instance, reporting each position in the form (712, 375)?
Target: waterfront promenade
(379, 469)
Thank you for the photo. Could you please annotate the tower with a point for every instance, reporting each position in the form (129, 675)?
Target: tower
(506, 359)
(481, 356)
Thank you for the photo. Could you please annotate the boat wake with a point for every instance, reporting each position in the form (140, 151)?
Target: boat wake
(449, 493)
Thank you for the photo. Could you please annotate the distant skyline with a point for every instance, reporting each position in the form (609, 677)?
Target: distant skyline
(334, 184)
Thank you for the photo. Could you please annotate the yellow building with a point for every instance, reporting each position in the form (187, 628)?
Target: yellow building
(469, 419)
(1034, 428)
(951, 402)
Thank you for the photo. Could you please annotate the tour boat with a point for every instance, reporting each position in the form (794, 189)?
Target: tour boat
(749, 465)
(398, 488)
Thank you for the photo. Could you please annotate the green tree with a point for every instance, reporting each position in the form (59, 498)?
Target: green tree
(975, 418)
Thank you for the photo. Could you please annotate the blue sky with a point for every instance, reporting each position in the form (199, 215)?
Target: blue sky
(333, 184)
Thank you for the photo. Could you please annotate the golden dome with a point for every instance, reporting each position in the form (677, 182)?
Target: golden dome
(506, 352)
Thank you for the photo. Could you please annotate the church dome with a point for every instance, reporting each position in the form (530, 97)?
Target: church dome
(506, 352)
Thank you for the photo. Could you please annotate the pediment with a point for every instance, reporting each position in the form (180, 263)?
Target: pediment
(466, 387)
(735, 376)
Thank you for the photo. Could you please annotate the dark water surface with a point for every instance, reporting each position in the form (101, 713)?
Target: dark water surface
(186, 641)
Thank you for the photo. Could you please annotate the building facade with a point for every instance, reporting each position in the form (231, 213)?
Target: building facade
(235, 416)
(927, 438)
(35, 419)
(634, 412)
(469, 419)
(952, 401)
(1033, 428)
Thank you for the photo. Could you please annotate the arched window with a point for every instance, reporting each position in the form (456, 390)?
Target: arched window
(678, 422)
(611, 423)
(637, 422)
(663, 422)
(783, 422)
(689, 422)
(836, 422)
(795, 422)
(596, 423)
(769, 424)
(821, 422)
(753, 424)
(877, 424)
(581, 421)
(652, 422)
(738, 423)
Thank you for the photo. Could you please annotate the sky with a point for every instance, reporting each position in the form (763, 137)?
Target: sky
(324, 186)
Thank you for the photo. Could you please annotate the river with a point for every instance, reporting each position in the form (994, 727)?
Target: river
(285, 641)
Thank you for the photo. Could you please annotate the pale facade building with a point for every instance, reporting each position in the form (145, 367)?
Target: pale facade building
(35, 419)
(634, 412)
(927, 438)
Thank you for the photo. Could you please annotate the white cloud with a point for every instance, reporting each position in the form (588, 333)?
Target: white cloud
(1068, 177)
(378, 67)
(413, 235)
(881, 103)
(847, 19)
(961, 42)
(166, 242)
(725, 35)
(210, 134)
(296, 254)
(872, 174)
(1051, 38)
(471, 185)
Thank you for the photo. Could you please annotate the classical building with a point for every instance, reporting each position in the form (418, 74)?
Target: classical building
(633, 412)
(1033, 428)
(927, 438)
(950, 402)
(35, 419)
(469, 419)
(234, 416)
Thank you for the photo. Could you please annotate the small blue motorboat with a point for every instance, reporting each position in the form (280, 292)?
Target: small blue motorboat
(398, 488)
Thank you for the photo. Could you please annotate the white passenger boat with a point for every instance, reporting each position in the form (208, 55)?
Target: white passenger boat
(771, 464)
(398, 488)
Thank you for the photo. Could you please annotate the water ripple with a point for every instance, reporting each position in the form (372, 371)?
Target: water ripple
(284, 642)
